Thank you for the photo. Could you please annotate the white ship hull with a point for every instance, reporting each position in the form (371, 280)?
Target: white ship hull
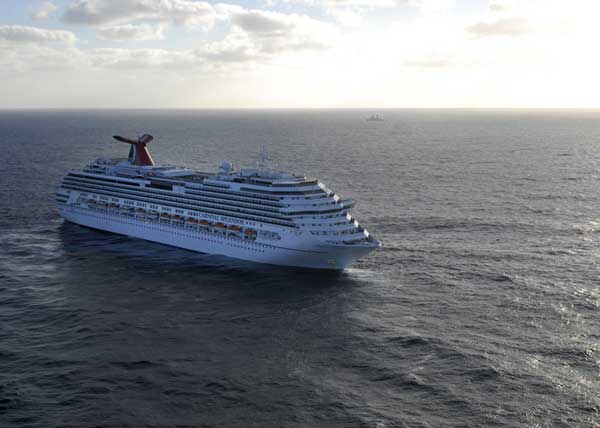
(303, 254)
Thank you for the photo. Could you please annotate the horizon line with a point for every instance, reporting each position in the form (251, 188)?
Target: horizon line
(297, 108)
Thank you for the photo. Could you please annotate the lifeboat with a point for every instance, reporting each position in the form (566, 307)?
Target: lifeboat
(250, 232)
(177, 217)
(152, 212)
(113, 205)
(220, 226)
(234, 228)
(91, 201)
(102, 204)
(165, 215)
(204, 222)
(140, 210)
(191, 220)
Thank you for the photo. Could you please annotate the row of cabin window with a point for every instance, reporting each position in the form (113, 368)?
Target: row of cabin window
(156, 207)
(163, 208)
(241, 210)
(182, 234)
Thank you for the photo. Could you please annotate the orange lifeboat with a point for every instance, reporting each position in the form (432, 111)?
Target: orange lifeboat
(234, 228)
(220, 226)
(177, 217)
(250, 232)
(113, 205)
(191, 220)
(164, 215)
(204, 222)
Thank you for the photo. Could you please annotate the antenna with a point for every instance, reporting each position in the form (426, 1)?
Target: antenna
(264, 158)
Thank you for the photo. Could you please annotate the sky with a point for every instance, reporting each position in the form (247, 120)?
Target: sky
(299, 54)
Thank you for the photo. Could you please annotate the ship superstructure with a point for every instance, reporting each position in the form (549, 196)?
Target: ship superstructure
(255, 213)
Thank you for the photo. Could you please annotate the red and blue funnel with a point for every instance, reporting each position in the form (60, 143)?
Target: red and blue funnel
(139, 154)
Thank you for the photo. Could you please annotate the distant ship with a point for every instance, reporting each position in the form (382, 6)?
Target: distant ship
(255, 214)
(374, 118)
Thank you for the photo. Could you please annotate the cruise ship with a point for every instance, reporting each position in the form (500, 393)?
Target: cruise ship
(255, 213)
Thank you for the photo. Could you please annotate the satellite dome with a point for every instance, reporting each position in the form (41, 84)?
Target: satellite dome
(227, 166)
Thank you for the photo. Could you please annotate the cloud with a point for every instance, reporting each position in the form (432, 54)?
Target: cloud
(349, 18)
(251, 30)
(21, 58)
(178, 60)
(272, 32)
(429, 62)
(188, 13)
(24, 34)
(42, 11)
(259, 31)
(261, 22)
(228, 53)
(350, 13)
(72, 60)
(500, 6)
(433, 6)
(138, 59)
(252, 36)
(516, 26)
(346, 3)
(127, 32)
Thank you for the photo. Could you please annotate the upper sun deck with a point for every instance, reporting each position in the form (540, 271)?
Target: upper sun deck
(255, 176)
(264, 177)
(139, 165)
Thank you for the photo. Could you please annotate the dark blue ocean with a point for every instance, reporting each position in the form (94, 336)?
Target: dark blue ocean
(482, 308)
